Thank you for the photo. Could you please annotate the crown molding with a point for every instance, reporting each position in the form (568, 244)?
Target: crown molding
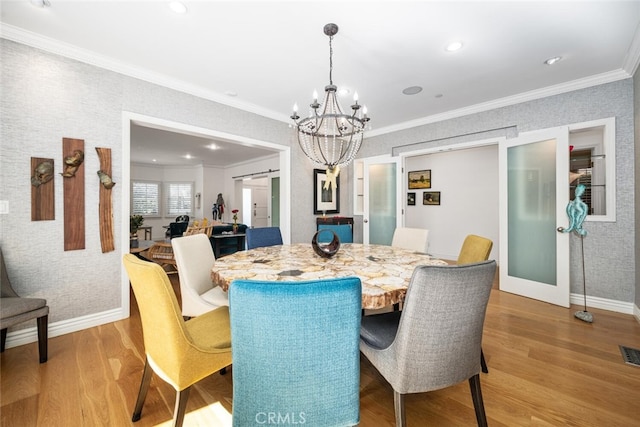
(632, 60)
(590, 81)
(9, 32)
(47, 44)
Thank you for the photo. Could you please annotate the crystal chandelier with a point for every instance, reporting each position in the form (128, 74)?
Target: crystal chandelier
(329, 137)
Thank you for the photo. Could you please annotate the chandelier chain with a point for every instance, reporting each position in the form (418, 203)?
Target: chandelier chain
(330, 60)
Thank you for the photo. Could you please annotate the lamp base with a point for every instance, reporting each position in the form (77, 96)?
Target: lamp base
(584, 316)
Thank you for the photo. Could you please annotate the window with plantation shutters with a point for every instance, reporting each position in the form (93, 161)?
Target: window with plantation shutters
(179, 198)
(145, 198)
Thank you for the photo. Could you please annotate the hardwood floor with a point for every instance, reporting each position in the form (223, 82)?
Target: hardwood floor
(546, 368)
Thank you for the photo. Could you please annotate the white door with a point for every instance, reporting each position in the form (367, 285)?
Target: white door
(259, 209)
(381, 210)
(534, 192)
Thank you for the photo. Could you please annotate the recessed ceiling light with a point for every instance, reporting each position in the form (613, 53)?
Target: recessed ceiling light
(438, 95)
(188, 156)
(213, 146)
(231, 93)
(453, 46)
(344, 91)
(178, 7)
(412, 90)
(553, 60)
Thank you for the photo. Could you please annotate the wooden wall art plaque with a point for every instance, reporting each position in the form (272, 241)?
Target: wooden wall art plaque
(73, 193)
(42, 190)
(105, 209)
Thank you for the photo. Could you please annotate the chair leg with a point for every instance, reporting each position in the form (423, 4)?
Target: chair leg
(483, 362)
(43, 334)
(398, 404)
(142, 394)
(3, 339)
(478, 404)
(181, 405)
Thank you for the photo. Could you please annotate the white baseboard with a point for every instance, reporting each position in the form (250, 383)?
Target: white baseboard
(29, 335)
(604, 304)
(636, 312)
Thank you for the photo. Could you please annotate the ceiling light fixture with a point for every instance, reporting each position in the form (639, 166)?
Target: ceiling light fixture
(412, 90)
(553, 60)
(329, 137)
(178, 7)
(453, 46)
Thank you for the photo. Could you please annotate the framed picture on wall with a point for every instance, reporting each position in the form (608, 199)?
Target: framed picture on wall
(419, 179)
(431, 198)
(411, 199)
(326, 195)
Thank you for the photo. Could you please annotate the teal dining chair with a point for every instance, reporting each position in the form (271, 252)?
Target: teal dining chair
(343, 231)
(263, 236)
(295, 352)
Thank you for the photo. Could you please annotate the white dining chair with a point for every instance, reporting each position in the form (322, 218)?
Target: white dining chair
(413, 239)
(194, 260)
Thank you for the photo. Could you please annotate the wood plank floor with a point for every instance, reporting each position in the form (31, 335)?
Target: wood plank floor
(546, 368)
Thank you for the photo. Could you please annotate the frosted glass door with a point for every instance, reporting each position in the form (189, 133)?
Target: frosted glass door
(534, 182)
(380, 216)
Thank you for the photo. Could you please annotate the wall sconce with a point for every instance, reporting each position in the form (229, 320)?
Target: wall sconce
(198, 196)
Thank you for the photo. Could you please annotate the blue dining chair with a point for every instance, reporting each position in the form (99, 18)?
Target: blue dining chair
(263, 236)
(295, 352)
(344, 232)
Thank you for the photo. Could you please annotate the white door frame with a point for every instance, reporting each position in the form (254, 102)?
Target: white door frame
(130, 118)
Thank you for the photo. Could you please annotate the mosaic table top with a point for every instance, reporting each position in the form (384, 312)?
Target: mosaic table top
(384, 271)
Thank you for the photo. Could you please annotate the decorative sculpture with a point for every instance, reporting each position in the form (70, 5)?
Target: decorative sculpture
(42, 174)
(72, 163)
(326, 250)
(106, 180)
(218, 208)
(577, 212)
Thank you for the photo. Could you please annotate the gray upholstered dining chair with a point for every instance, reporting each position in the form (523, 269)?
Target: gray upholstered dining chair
(476, 249)
(14, 310)
(435, 342)
(263, 236)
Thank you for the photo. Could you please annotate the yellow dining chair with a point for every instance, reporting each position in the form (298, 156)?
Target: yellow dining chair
(181, 353)
(475, 249)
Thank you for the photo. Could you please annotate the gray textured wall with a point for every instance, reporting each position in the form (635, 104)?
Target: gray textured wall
(46, 97)
(636, 182)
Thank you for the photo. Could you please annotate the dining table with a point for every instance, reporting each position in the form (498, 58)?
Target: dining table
(384, 271)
